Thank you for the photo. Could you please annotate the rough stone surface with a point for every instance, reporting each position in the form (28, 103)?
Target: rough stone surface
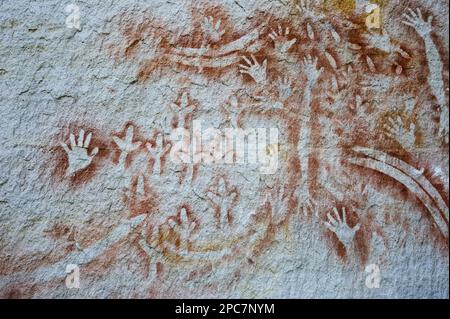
(350, 200)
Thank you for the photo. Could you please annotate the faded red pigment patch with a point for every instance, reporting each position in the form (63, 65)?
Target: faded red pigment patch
(444, 55)
(439, 241)
(25, 290)
(138, 29)
(200, 273)
(140, 204)
(263, 216)
(58, 163)
(62, 231)
(10, 264)
(106, 261)
(316, 136)
(93, 230)
(429, 234)
(142, 40)
(363, 236)
(18, 292)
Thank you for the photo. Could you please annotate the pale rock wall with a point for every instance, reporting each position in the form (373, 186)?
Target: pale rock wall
(353, 204)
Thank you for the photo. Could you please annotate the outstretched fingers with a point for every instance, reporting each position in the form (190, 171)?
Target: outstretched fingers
(184, 217)
(330, 227)
(87, 141)
(118, 142)
(409, 19)
(254, 60)
(65, 147)
(94, 152)
(129, 134)
(264, 65)
(336, 213)
(249, 63)
(331, 220)
(344, 215)
(217, 26)
(81, 138)
(412, 13)
(73, 143)
(419, 14)
(244, 71)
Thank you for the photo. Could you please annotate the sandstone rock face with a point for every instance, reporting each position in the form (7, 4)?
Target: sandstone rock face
(246, 149)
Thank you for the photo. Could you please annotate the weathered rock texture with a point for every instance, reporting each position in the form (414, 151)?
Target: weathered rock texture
(355, 188)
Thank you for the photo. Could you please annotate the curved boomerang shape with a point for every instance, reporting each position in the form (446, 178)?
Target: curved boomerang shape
(409, 170)
(234, 46)
(409, 177)
(220, 62)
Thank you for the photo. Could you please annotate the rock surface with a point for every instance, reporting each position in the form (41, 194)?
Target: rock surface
(344, 105)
